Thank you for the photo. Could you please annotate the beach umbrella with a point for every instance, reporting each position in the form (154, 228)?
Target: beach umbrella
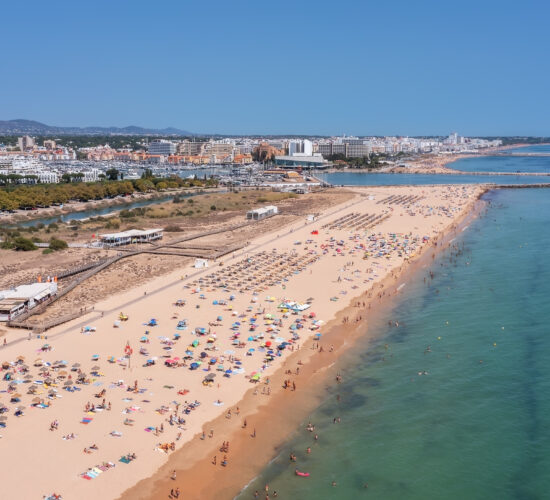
(68, 383)
(76, 365)
(36, 400)
(3, 418)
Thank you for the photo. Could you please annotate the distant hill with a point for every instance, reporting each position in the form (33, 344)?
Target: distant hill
(31, 127)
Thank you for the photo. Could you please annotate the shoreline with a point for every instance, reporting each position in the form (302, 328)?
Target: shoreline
(404, 223)
(431, 165)
(283, 412)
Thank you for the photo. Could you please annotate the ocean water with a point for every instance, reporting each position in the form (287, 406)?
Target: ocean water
(366, 179)
(530, 164)
(477, 425)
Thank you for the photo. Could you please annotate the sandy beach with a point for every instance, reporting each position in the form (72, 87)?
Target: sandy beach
(86, 409)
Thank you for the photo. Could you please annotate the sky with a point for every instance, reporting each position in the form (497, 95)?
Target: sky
(363, 67)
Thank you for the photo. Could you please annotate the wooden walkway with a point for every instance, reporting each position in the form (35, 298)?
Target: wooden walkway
(89, 270)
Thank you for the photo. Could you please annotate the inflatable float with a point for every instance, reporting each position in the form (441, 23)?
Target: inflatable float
(302, 474)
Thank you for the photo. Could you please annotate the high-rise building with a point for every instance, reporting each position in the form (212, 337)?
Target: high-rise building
(303, 148)
(49, 144)
(188, 148)
(25, 143)
(162, 147)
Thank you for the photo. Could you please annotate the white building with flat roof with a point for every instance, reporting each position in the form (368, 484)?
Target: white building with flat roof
(131, 236)
(16, 301)
(161, 147)
(262, 213)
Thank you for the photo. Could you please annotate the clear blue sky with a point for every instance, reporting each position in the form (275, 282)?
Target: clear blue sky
(303, 67)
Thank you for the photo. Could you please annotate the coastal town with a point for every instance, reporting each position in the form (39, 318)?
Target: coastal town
(26, 160)
(274, 250)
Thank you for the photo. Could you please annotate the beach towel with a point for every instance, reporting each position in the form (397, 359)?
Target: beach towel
(86, 420)
(124, 460)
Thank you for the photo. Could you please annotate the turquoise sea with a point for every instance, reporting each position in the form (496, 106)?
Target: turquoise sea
(477, 425)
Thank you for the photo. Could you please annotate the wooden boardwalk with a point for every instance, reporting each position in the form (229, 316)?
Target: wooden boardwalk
(88, 270)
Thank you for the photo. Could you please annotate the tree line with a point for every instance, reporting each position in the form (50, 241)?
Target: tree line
(44, 195)
(372, 162)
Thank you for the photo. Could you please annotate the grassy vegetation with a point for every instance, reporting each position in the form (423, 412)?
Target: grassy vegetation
(171, 215)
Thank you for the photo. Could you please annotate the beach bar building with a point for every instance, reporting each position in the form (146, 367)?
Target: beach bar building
(130, 236)
(262, 213)
(18, 300)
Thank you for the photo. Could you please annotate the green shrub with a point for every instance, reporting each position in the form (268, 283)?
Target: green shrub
(172, 228)
(23, 244)
(56, 244)
(113, 224)
(47, 251)
(6, 245)
(212, 207)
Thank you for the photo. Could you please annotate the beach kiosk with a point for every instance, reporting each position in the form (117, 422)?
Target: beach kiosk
(262, 213)
(201, 263)
(131, 236)
(18, 300)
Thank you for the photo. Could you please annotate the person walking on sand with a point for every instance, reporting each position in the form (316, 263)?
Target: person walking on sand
(173, 477)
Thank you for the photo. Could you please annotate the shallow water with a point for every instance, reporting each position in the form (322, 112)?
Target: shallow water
(477, 426)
